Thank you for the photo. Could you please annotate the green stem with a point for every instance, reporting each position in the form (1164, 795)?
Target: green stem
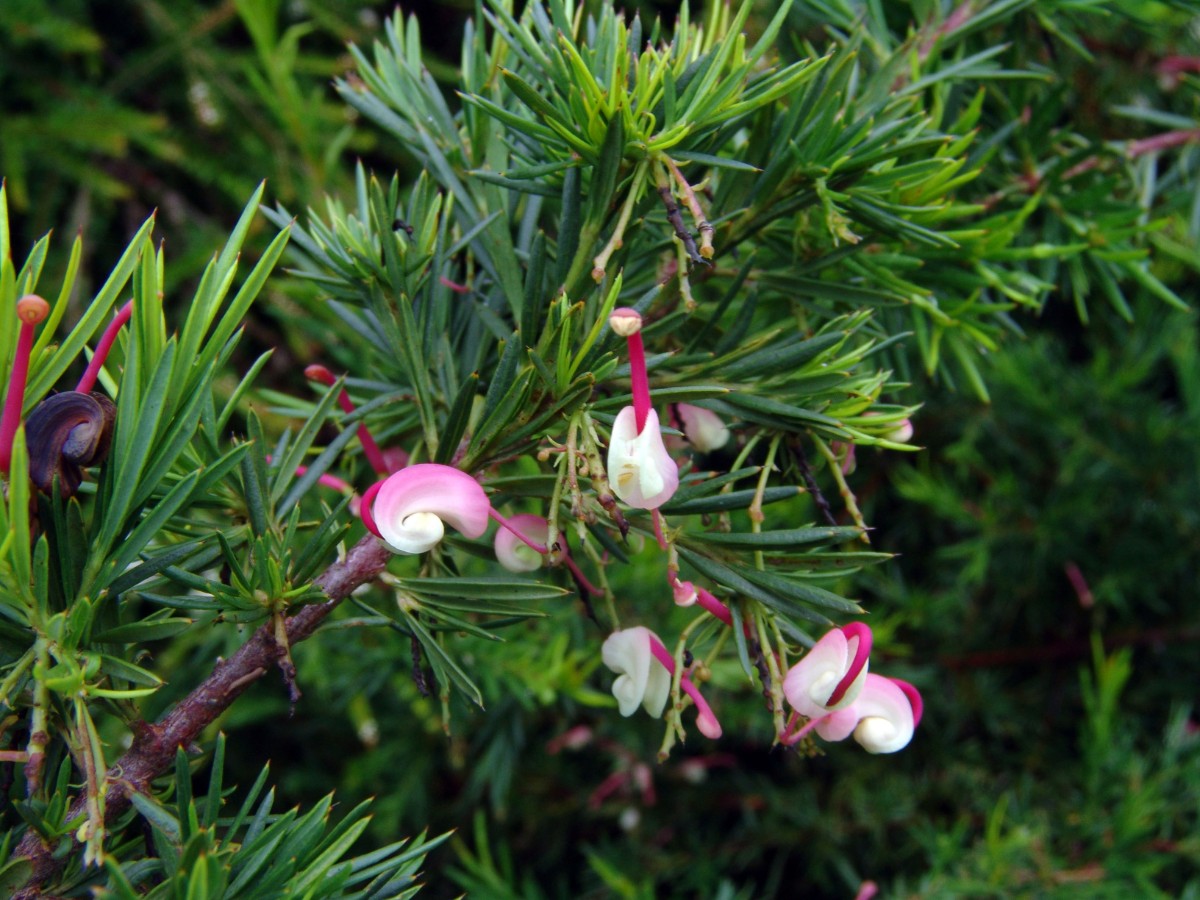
(756, 505)
(843, 488)
(38, 736)
(579, 276)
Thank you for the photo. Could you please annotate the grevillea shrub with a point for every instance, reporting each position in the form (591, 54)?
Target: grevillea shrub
(564, 504)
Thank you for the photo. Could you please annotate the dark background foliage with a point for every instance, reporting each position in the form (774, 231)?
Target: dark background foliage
(1044, 595)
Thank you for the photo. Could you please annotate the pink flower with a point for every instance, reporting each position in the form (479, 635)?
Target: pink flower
(514, 553)
(702, 427)
(830, 686)
(640, 470)
(409, 509)
(831, 674)
(641, 681)
(887, 711)
(901, 434)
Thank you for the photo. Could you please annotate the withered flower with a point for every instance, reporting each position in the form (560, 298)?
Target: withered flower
(65, 434)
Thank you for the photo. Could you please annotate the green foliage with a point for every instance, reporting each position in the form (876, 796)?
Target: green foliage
(257, 853)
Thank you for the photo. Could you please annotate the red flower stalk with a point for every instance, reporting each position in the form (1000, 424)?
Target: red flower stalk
(31, 310)
(627, 322)
(706, 719)
(370, 449)
(88, 381)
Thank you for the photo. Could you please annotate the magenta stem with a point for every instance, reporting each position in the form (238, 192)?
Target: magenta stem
(662, 654)
(15, 400)
(504, 523)
(88, 381)
(796, 736)
(330, 481)
(703, 710)
(714, 606)
(639, 381)
(914, 699)
(1079, 583)
(579, 576)
(861, 652)
(370, 449)
(607, 788)
(364, 508)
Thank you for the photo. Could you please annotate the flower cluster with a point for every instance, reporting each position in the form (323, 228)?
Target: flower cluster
(831, 687)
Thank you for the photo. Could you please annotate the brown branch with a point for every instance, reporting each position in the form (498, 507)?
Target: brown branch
(810, 482)
(153, 749)
(676, 219)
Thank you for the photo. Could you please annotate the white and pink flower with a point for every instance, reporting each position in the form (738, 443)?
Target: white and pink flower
(409, 510)
(640, 470)
(830, 686)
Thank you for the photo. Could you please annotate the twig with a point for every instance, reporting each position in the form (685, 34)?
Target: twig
(153, 749)
(675, 218)
(693, 204)
(810, 482)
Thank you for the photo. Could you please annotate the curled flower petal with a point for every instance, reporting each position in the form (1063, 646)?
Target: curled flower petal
(885, 716)
(640, 681)
(514, 554)
(811, 681)
(413, 506)
(858, 644)
(65, 434)
(837, 725)
(640, 470)
(703, 427)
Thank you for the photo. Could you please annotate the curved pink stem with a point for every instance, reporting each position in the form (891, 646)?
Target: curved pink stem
(88, 381)
(31, 310)
(364, 508)
(579, 576)
(330, 481)
(504, 523)
(607, 787)
(705, 717)
(796, 736)
(371, 449)
(914, 699)
(703, 710)
(861, 652)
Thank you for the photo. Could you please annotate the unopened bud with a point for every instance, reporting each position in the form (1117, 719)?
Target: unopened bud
(317, 372)
(625, 321)
(32, 309)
